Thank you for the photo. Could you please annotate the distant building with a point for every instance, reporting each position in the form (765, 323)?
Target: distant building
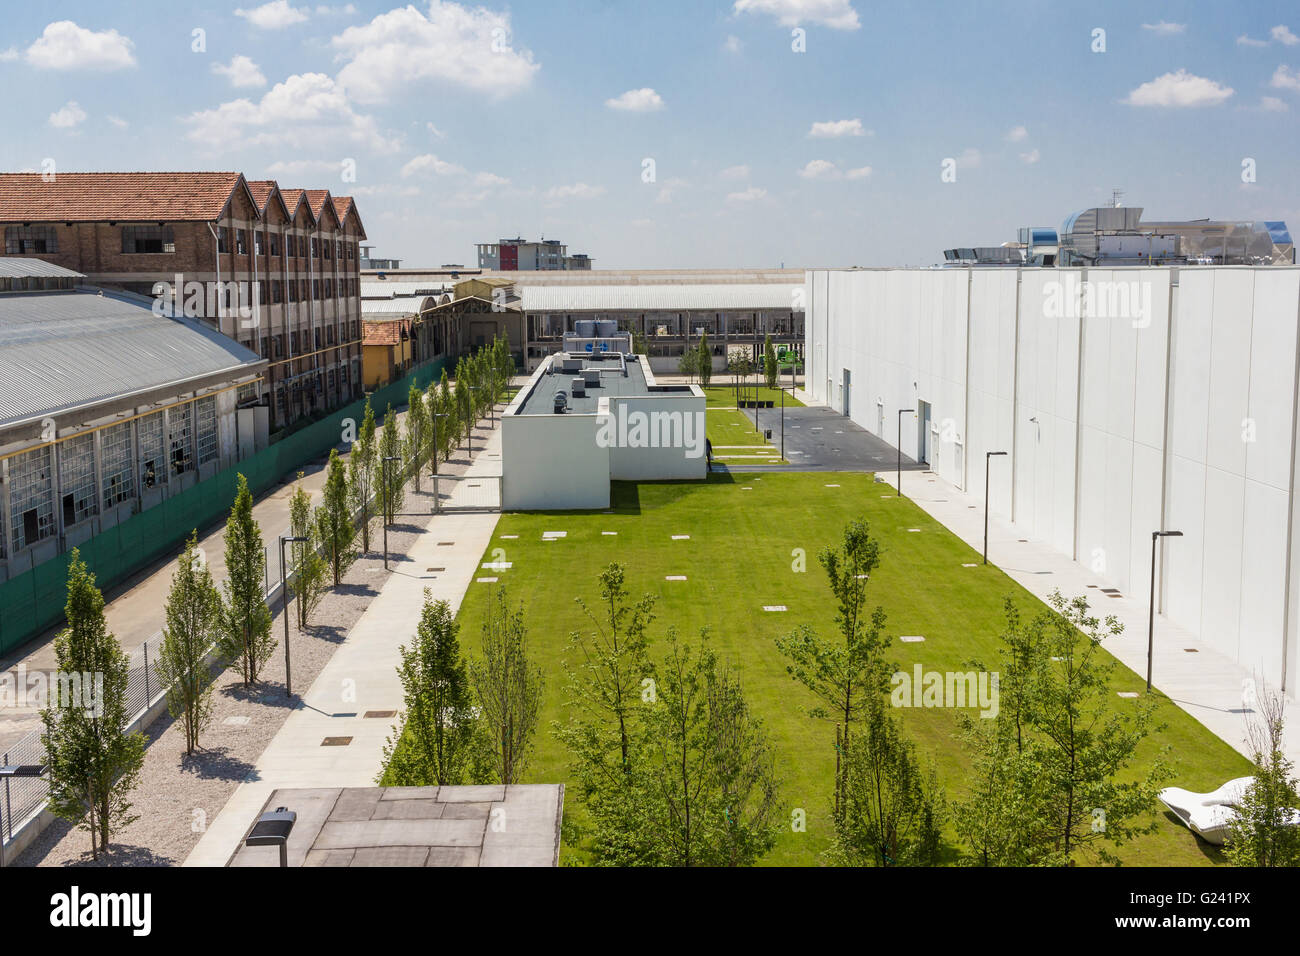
(276, 269)
(521, 255)
(369, 261)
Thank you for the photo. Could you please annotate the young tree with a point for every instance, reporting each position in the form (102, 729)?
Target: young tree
(438, 721)
(93, 762)
(245, 626)
(892, 813)
(638, 342)
(689, 364)
(464, 410)
(308, 567)
(1264, 832)
(391, 484)
(1081, 751)
(709, 766)
(192, 612)
(449, 424)
(704, 360)
(416, 445)
(845, 674)
(362, 482)
(770, 368)
(508, 688)
(334, 527)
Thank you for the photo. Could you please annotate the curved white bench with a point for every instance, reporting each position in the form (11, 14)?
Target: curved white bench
(1210, 815)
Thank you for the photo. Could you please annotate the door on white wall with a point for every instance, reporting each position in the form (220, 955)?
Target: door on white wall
(923, 437)
(845, 390)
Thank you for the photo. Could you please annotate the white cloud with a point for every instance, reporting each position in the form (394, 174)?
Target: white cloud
(1271, 104)
(644, 100)
(465, 47)
(121, 123)
(306, 110)
(490, 179)
(435, 131)
(68, 117)
(302, 167)
(732, 44)
(1179, 90)
(735, 172)
(576, 191)
(1244, 40)
(8, 55)
(1165, 28)
(65, 46)
(347, 9)
(1017, 134)
(1284, 36)
(861, 172)
(274, 15)
(835, 128)
(241, 71)
(819, 169)
(752, 194)
(1285, 78)
(668, 189)
(970, 158)
(1030, 157)
(836, 14)
(431, 164)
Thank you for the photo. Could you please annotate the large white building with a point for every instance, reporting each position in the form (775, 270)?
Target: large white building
(1129, 400)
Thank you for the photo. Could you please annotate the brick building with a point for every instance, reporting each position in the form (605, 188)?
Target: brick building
(276, 270)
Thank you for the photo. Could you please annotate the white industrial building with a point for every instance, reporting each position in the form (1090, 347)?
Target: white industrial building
(1128, 399)
(592, 414)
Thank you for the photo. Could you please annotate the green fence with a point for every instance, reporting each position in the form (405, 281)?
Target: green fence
(33, 601)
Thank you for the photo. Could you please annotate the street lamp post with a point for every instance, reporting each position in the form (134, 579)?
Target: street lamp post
(901, 413)
(1151, 619)
(987, 457)
(284, 608)
(388, 504)
(783, 422)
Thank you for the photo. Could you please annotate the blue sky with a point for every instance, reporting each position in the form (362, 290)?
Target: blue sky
(468, 123)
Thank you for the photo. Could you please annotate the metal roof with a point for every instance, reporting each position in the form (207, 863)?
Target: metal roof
(401, 305)
(24, 267)
(64, 350)
(659, 298)
(385, 289)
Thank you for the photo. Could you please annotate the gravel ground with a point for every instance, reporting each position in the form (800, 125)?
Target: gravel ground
(178, 794)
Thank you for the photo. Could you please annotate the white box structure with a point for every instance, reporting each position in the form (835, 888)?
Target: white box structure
(1129, 399)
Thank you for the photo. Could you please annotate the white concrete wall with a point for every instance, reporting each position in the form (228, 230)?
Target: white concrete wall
(552, 463)
(1179, 413)
(660, 463)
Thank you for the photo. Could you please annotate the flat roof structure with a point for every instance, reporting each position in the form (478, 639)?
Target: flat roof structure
(515, 825)
(618, 378)
(676, 297)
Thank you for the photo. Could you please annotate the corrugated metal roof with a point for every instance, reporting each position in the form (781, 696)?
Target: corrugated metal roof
(24, 267)
(657, 298)
(386, 290)
(402, 305)
(62, 350)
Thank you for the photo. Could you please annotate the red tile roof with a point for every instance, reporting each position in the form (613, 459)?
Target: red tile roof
(131, 197)
(316, 198)
(261, 190)
(384, 332)
(292, 199)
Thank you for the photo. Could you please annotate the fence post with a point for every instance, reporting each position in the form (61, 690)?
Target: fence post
(9, 810)
(146, 677)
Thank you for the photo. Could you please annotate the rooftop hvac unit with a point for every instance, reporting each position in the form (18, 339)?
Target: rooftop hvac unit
(579, 387)
(561, 402)
(591, 377)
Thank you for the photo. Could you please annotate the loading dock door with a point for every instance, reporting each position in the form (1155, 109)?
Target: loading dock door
(845, 390)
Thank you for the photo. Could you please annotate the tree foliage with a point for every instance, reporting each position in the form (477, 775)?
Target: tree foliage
(334, 528)
(508, 688)
(1265, 832)
(246, 637)
(192, 614)
(363, 479)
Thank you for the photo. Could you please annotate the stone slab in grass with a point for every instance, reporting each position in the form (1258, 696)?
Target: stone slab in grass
(863, 577)
(555, 534)
(609, 532)
(774, 607)
(970, 565)
(832, 486)
(681, 537)
(911, 638)
(913, 530)
(509, 537)
(497, 565)
(674, 577)
(486, 580)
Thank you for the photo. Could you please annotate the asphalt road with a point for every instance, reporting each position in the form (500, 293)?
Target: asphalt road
(820, 439)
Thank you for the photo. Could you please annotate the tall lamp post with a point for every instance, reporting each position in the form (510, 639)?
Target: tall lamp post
(388, 504)
(901, 413)
(1151, 619)
(284, 600)
(988, 455)
(783, 421)
(8, 771)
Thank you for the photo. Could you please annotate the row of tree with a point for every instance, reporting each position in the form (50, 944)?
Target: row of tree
(697, 363)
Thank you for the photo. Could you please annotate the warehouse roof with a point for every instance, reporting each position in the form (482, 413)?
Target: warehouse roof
(659, 298)
(402, 305)
(383, 289)
(25, 267)
(65, 350)
(130, 197)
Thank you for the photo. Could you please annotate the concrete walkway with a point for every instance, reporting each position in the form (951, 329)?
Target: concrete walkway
(1201, 681)
(361, 677)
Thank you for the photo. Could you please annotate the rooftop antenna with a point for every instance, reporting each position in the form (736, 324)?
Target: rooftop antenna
(1116, 198)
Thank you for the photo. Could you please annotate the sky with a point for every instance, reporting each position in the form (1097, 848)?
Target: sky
(679, 133)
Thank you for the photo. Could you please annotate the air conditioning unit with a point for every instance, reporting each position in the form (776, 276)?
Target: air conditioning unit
(579, 388)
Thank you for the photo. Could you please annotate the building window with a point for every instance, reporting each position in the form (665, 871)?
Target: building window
(115, 448)
(315, 247)
(241, 241)
(205, 413)
(31, 497)
(315, 288)
(153, 470)
(329, 254)
(257, 241)
(262, 292)
(223, 239)
(77, 479)
(275, 243)
(329, 288)
(277, 291)
(180, 438)
(302, 290)
(25, 240)
(141, 240)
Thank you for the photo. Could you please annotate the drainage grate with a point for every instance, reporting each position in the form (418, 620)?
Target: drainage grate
(336, 741)
(379, 714)
(435, 569)
(445, 544)
(1192, 650)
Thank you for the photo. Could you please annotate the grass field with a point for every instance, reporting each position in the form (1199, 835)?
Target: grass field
(738, 559)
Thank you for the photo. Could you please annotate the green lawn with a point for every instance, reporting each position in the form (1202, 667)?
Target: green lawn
(743, 531)
(724, 396)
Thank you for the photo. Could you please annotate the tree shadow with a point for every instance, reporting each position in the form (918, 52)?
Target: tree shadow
(215, 763)
(122, 854)
(331, 633)
(355, 590)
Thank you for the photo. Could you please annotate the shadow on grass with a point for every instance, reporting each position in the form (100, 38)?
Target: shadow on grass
(1211, 852)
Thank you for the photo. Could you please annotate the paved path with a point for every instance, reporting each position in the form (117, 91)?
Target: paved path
(1206, 684)
(361, 676)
